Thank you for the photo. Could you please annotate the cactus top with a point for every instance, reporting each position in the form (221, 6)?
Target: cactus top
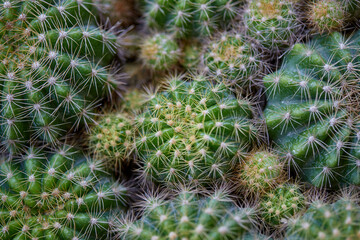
(194, 130)
(54, 61)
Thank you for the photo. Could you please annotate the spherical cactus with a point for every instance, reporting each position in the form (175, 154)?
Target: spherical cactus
(54, 62)
(272, 23)
(58, 196)
(194, 131)
(339, 220)
(260, 172)
(312, 110)
(190, 18)
(160, 52)
(280, 204)
(111, 139)
(233, 58)
(189, 216)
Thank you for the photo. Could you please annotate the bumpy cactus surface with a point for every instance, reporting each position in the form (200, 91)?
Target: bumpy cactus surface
(189, 17)
(281, 203)
(194, 130)
(58, 196)
(53, 68)
(234, 58)
(189, 216)
(312, 110)
(339, 220)
(272, 23)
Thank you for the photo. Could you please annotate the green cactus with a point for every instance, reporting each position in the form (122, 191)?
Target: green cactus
(194, 131)
(281, 203)
(191, 55)
(63, 195)
(189, 17)
(54, 62)
(260, 172)
(111, 139)
(335, 221)
(234, 58)
(312, 110)
(189, 216)
(274, 24)
(160, 52)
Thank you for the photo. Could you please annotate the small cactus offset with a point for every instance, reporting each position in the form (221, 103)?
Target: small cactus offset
(194, 131)
(338, 220)
(189, 216)
(312, 110)
(54, 62)
(233, 58)
(188, 17)
(274, 24)
(59, 196)
(281, 203)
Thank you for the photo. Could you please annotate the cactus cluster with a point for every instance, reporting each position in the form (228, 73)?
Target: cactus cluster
(189, 216)
(57, 195)
(54, 71)
(194, 131)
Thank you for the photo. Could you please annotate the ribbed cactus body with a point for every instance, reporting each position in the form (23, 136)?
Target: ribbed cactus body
(194, 130)
(190, 17)
(339, 220)
(312, 114)
(58, 196)
(53, 68)
(189, 217)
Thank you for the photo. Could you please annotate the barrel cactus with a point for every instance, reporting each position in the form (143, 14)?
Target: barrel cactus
(54, 69)
(274, 24)
(188, 17)
(194, 130)
(188, 216)
(338, 220)
(63, 195)
(312, 113)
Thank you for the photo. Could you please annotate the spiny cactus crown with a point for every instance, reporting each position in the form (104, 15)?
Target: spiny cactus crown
(53, 68)
(189, 217)
(339, 220)
(272, 23)
(194, 130)
(57, 196)
(312, 110)
(189, 17)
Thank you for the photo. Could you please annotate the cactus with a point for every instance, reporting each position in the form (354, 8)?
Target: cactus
(281, 203)
(188, 216)
(195, 131)
(339, 220)
(111, 139)
(188, 17)
(59, 196)
(160, 52)
(54, 62)
(260, 172)
(274, 24)
(191, 55)
(234, 58)
(312, 110)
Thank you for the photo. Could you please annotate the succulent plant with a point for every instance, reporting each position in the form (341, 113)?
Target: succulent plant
(234, 58)
(188, 17)
(188, 216)
(111, 139)
(339, 220)
(54, 70)
(194, 130)
(274, 24)
(160, 52)
(61, 195)
(312, 113)
(191, 55)
(260, 172)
